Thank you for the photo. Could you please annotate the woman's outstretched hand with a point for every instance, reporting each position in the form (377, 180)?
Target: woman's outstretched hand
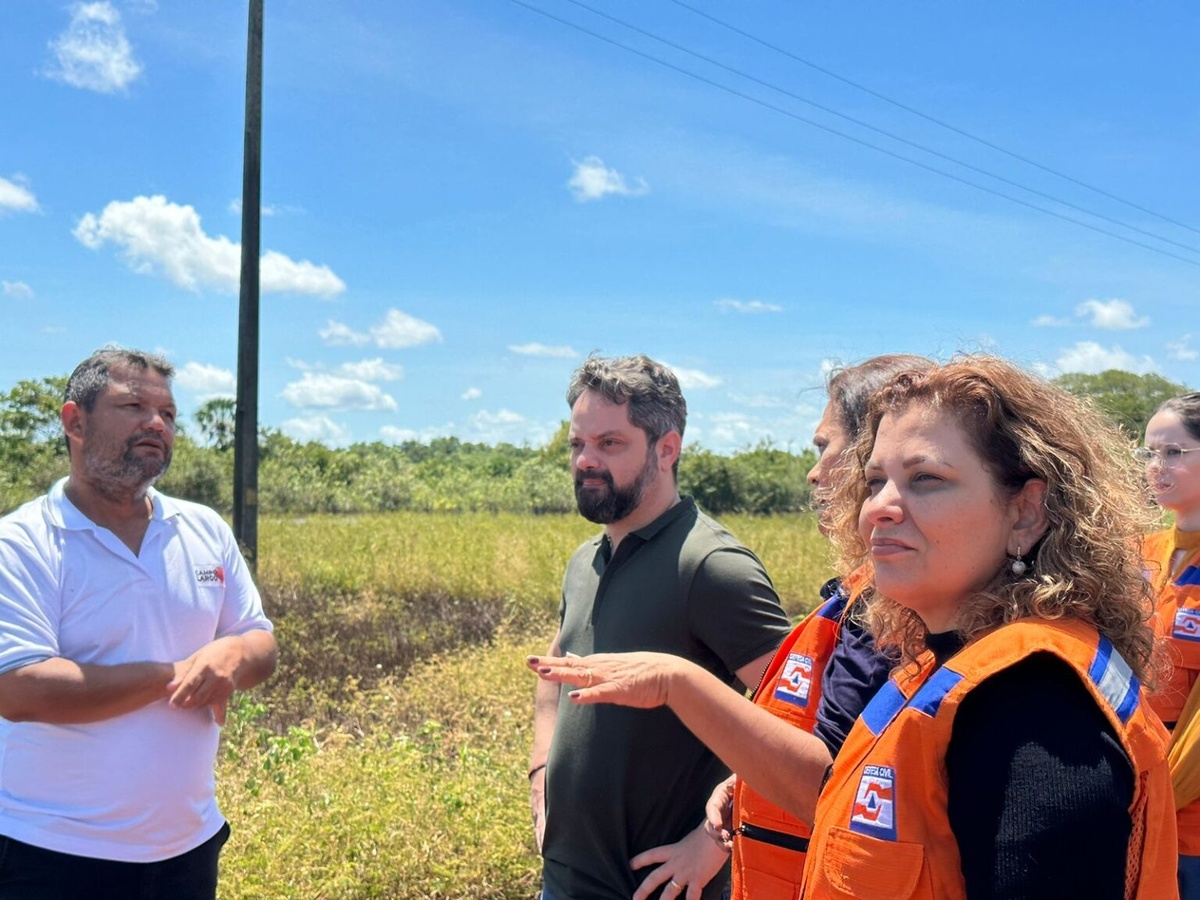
(640, 680)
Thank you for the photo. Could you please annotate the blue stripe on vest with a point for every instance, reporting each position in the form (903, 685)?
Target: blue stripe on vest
(934, 691)
(1190, 575)
(833, 607)
(1114, 680)
(884, 706)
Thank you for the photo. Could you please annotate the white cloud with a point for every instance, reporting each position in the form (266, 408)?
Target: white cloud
(93, 53)
(204, 379)
(363, 370)
(728, 304)
(690, 379)
(501, 417)
(317, 428)
(372, 370)
(320, 390)
(337, 334)
(1116, 315)
(235, 207)
(592, 181)
(731, 430)
(15, 196)
(394, 435)
(1182, 349)
(402, 330)
(1090, 358)
(472, 393)
(1050, 322)
(18, 289)
(266, 210)
(159, 237)
(397, 329)
(762, 401)
(503, 425)
(535, 349)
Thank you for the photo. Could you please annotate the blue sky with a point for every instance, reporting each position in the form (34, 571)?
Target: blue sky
(464, 198)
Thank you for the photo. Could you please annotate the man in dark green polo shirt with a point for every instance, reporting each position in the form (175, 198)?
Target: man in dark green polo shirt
(618, 794)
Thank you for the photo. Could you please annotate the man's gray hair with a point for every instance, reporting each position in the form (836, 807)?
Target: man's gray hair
(656, 403)
(91, 376)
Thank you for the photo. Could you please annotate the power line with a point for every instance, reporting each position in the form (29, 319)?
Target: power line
(936, 121)
(895, 137)
(796, 116)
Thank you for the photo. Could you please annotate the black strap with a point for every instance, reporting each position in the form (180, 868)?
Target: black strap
(776, 838)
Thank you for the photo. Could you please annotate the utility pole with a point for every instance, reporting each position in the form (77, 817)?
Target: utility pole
(245, 442)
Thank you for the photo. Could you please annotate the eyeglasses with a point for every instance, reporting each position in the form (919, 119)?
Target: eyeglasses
(1168, 455)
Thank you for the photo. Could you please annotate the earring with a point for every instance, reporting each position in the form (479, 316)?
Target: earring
(1018, 566)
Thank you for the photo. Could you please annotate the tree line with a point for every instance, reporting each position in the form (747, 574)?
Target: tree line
(447, 474)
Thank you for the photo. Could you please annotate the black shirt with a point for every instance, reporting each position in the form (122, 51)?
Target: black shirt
(1039, 787)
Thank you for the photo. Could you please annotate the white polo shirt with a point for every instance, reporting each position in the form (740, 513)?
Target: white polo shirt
(138, 787)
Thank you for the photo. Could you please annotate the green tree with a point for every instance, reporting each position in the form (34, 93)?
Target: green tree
(216, 420)
(557, 451)
(32, 453)
(29, 412)
(1128, 398)
(763, 480)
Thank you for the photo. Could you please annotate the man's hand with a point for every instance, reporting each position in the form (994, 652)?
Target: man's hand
(685, 867)
(207, 677)
(537, 805)
(210, 675)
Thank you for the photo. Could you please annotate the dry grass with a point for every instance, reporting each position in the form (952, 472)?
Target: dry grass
(388, 761)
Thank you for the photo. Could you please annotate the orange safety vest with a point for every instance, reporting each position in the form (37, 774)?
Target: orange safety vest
(882, 830)
(1176, 623)
(769, 843)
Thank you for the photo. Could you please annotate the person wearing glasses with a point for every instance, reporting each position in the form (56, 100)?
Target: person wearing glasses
(1172, 459)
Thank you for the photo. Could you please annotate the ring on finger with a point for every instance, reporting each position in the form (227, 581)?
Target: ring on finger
(675, 884)
(588, 673)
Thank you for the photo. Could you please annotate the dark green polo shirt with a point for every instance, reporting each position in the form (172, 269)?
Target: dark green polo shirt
(620, 780)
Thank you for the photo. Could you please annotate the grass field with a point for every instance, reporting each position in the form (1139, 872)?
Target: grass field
(387, 759)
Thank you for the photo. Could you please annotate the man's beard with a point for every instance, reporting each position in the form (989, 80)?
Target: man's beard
(612, 504)
(127, 472)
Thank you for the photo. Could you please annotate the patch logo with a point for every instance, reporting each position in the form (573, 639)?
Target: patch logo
(874, 811)
(795, 681)
(210, 575)
(1187, 625)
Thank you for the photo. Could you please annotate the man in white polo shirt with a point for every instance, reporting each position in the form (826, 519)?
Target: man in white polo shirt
(127, 620)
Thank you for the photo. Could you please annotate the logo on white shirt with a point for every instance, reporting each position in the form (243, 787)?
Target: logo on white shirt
(210, 575)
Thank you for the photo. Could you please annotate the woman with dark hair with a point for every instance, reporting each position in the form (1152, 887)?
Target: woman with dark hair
(1171, 455)
(1012, 753)
(824, 672)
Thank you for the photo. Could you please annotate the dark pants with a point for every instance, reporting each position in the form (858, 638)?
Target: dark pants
(1189, 877)
(31, 873)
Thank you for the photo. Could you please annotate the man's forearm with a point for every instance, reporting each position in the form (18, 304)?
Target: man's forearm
(259, 656)
(60, 691)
